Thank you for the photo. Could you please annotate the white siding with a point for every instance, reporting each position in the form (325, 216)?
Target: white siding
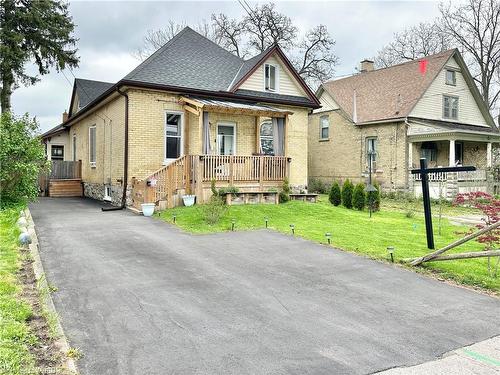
(327, 103)
(287, 84)
(431, 104)
(61, 139)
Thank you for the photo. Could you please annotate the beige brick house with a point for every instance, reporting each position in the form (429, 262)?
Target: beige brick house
(423, 108)
(189, 114)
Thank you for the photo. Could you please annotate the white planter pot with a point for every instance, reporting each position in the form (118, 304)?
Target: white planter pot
(148, 209)
(188, 200)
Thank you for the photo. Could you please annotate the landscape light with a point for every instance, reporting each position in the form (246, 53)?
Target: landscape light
(267, 220)
(292, 227)
(174, 216)
(390, 249)
(328, 237)
(233, 221)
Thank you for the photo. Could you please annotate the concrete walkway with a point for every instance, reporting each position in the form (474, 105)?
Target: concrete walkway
(138, 296)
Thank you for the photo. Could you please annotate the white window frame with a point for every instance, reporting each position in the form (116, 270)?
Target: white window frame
(73, 146)
(276, 78)
(375, 143)
(450, 117)
(261, 137)
(322, 126)
(57, 145)
(107, 193)
(181, 136)
(226, 123)
(94, 162)
(454, 72)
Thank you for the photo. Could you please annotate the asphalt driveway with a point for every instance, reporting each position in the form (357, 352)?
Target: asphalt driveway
(138, 296)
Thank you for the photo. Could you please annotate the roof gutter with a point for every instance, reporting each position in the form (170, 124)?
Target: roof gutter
(125, 158)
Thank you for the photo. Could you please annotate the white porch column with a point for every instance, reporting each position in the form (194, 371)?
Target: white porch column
(489, 156)
(452, 153)
(410, 155)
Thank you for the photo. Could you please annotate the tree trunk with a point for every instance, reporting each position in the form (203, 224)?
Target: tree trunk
(6, 93)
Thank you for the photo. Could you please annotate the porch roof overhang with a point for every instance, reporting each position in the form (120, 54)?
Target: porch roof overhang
(421, 131)
(225, 106)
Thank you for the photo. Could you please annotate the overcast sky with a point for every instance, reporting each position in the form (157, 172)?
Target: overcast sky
(109, 32)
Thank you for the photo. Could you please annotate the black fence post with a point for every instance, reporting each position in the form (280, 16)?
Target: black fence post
(427, 203)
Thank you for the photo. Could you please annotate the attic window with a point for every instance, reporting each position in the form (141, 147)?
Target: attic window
(451, 77)
(270, 77)
(450, 107)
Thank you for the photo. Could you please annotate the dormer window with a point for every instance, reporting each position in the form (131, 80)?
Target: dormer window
(270, 77)
(451, 77)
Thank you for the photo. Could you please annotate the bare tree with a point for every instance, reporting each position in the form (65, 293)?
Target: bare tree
(417, 41)
(229, 32)
(265, 27)
(316, 62)
(475, 27)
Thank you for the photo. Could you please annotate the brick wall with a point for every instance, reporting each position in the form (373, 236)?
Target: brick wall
(343, 155)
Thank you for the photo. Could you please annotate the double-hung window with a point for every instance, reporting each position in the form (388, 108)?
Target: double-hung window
(266, 138)
(450, 107)
(270, 77)
(173, 135)
(92, 146)
(451, 77)
(371, 150)
(324, 127)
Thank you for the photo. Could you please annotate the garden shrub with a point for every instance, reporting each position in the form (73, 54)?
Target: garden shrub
(22, 157)
(214, 210)
(222, 191)
(284, 195)
(347, 189)
(318, 186)
(359, 197)
(335, 196)
(373, 198)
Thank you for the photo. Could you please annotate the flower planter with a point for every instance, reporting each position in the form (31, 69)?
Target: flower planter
(188, 200)
(148, 209)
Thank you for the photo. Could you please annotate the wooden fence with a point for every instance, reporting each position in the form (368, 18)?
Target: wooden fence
(59, 170)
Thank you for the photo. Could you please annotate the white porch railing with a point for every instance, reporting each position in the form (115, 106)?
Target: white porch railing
(478, 175)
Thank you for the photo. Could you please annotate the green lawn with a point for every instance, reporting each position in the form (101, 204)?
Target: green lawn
(351, 230)
(15, 335)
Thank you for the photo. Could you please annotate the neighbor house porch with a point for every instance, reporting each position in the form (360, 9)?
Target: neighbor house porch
(231, 144)
(453, 148)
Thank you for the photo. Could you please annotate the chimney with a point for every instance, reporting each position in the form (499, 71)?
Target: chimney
(366, 66)
(65, 117)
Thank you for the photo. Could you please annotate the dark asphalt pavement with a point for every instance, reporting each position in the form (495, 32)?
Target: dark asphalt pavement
(138, 296)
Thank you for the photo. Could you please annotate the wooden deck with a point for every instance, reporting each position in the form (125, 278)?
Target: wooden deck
(63, 180)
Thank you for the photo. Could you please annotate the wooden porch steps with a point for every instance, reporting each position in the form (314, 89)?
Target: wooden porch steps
(65, 188)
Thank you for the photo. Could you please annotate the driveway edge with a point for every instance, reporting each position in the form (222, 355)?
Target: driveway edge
(46, 298)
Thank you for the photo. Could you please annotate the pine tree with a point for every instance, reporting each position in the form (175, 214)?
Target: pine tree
(335, 196)
(347, 189)
(359, 197)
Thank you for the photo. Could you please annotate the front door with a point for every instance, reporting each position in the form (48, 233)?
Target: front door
(226, 138)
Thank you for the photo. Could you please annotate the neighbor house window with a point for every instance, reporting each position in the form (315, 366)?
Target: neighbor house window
(74, 147)
(173, 135)
(92, 146)
(451, 77)
(324, 127)
(371, 150)
(271, 77)
(266, 138)
(57, 152)
(450, 107)
(429, 151)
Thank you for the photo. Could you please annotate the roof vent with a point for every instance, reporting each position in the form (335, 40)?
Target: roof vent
(366, 66)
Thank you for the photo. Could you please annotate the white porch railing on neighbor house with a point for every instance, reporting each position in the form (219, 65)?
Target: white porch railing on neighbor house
(478, 175)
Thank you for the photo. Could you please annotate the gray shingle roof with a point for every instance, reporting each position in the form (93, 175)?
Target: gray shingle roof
(189, 60)
(88, 90)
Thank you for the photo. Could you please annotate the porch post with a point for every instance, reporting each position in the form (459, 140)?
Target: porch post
(452, 153)
(257, 134)
(410, 155)
(489, 156)
(285, 136)
(200, 130)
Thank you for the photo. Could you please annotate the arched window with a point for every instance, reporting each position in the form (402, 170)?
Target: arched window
(266, 138)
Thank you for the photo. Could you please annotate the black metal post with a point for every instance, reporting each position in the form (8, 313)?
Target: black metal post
(370, 153)
(427, 203)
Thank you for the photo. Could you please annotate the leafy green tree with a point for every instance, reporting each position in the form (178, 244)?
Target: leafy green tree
(335, 196)
(373, 198)
(347, 189)
(22, 157)
(39, 31)
(359, 197)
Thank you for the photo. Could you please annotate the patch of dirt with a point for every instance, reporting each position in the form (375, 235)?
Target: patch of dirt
(48, 357)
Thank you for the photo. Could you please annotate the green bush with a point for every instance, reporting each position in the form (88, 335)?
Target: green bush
(373, 198)
(359, 197)
(347, 189)
(222, 191)
(335, 196)
(318, 186)
(284, 195)
(214, 210)
(22, 157)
